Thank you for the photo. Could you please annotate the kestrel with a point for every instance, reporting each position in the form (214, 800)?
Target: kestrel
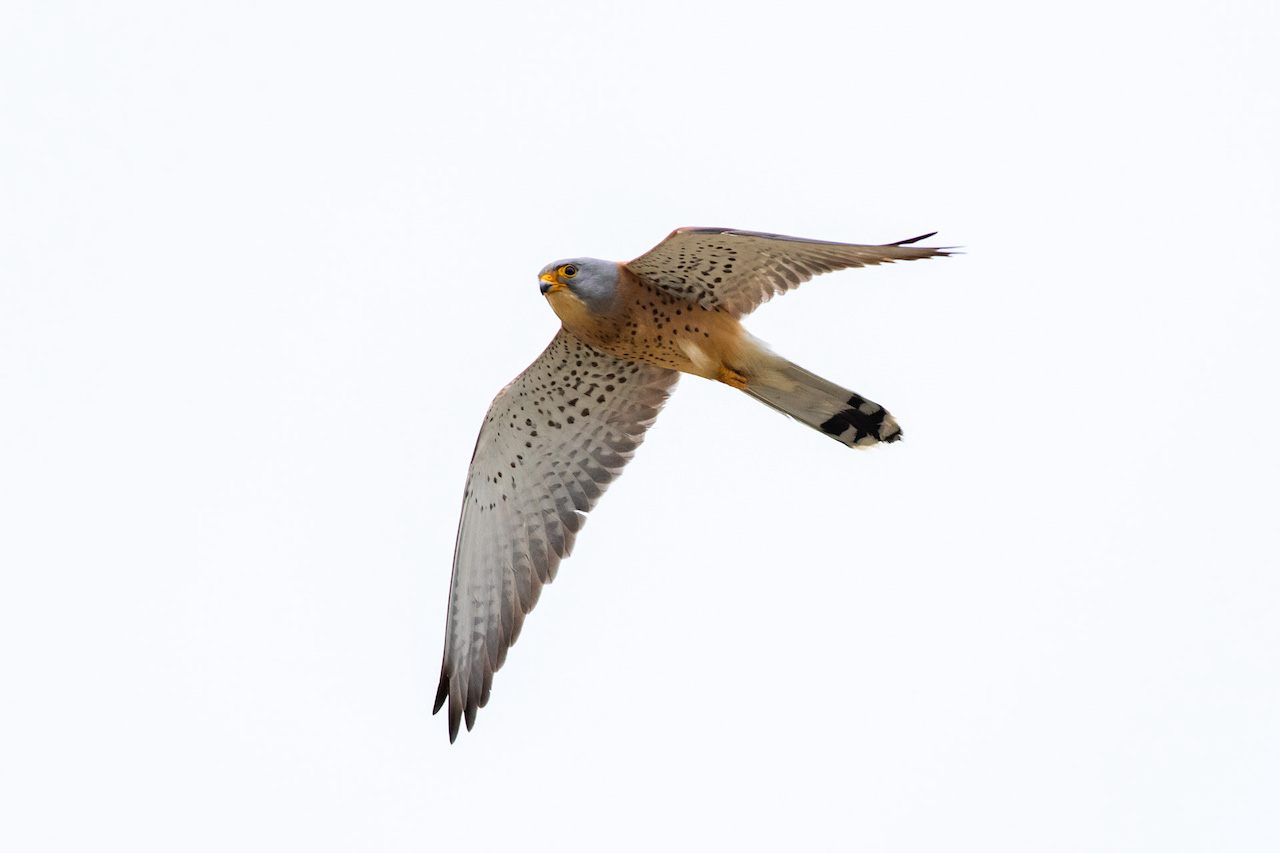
(558, 435)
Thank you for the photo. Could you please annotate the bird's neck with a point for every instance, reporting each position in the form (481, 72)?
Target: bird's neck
(593, 327)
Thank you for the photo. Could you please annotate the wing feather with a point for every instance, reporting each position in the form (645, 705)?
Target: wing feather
(737, 271)
(551, 443)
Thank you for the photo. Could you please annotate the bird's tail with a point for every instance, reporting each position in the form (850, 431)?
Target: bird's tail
(847, 417)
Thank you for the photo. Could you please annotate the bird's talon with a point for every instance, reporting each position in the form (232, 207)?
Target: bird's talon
(732, 378)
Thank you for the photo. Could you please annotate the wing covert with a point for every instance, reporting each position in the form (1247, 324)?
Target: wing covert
(736, 271)
(551, 443)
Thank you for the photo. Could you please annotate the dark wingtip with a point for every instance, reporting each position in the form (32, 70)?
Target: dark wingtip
(913, 239)
(471, 714)
(935, 251)
(442, 692)
(455, 718)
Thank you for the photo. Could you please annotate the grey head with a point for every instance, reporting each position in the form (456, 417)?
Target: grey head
(591, 280)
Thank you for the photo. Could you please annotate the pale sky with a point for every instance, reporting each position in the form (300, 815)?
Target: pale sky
(264, 265)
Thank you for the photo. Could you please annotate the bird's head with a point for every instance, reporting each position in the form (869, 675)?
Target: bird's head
(589, 281)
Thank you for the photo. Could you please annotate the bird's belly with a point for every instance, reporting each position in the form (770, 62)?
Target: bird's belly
(702, 346)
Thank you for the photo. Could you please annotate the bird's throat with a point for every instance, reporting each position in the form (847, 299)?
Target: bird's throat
(571, 310)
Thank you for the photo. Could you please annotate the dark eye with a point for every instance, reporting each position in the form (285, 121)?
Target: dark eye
(568, 270)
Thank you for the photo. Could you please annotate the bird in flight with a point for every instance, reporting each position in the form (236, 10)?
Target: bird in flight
(559, 434)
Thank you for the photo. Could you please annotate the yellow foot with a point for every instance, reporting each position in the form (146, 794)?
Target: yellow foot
(732, 378)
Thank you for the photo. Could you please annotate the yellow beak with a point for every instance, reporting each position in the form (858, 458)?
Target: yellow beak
(551, 284)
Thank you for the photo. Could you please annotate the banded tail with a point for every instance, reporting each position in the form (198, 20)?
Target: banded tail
(849, 418)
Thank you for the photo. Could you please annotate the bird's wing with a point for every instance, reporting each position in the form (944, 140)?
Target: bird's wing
(738, 270)
(553, 440)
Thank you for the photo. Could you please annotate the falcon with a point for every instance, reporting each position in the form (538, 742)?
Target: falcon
(555, 438)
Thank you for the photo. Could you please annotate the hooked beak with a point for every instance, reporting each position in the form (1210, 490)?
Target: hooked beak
(550, 284)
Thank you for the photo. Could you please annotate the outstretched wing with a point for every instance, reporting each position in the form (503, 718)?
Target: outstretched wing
(553, 440)
(738, 270)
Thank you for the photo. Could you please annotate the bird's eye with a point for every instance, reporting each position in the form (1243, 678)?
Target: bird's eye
(568, 270)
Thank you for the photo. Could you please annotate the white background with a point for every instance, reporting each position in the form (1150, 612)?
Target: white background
(264, 265)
